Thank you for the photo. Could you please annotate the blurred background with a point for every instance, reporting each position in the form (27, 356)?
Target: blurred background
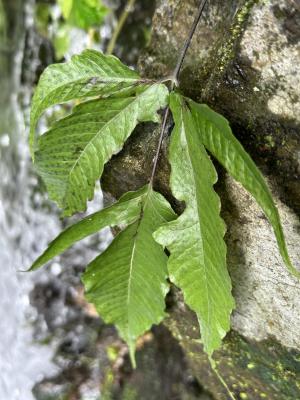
(52, 343)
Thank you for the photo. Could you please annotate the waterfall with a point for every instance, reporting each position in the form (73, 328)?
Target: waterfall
(22, 226)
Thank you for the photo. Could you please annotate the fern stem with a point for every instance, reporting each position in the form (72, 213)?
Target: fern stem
(127, 10)
(174, 79)
(161, 137)
(188, 40)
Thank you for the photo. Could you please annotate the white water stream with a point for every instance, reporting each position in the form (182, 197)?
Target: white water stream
(25, 225)
(24, 231)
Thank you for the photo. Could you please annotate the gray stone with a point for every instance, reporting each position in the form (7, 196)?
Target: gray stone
(267, 295)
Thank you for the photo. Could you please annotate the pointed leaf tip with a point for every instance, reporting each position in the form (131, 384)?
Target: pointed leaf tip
(215, 133)
(197, 264)
(89, 74)
(125, 211)
(128, 282)
(72, 155)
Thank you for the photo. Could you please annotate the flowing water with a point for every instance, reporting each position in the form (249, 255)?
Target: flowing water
(26, 223)
(22, 228)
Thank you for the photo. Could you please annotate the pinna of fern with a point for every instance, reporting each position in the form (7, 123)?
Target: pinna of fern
(128, 282)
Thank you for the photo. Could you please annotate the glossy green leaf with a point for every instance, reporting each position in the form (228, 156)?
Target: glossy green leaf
(197, 264)
(83, 13)
(89, 74)
(124, 212)
(127, 283)
(72, 154)
(216, 135)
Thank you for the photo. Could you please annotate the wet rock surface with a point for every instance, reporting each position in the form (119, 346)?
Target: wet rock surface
(251, 369)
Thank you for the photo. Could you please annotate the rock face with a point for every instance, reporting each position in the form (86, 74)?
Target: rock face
(244, 62)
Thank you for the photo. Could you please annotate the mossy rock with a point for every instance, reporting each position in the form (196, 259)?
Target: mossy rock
(252, 370)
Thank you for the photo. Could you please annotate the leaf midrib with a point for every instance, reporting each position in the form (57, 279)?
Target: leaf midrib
(135, 99)
(74, 81)
(95, 136)
(199, 219)
(130, 281)
(141, 216)
(273, 215)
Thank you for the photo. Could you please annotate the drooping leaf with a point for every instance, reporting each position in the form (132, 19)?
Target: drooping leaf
(127, 283)
(125, 211)
(216, 135)
(83, 13)
(72, 154)
(197, 263)
(89, 74)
